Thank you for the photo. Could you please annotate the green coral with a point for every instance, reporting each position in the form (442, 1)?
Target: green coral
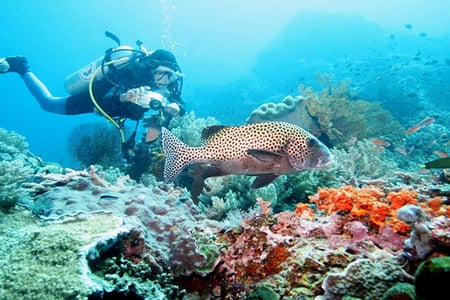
(401, 290)
(263, 293)
(432, 277)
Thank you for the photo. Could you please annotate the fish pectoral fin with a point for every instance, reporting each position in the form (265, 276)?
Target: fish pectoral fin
(264, 155)
(263, 180)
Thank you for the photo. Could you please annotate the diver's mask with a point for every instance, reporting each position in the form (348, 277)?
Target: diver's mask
(164, 75)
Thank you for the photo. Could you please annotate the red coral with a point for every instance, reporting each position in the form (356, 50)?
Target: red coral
(277, 255)
(251, 256)
(133, 246)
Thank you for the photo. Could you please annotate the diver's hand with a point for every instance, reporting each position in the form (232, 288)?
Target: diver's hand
(144, 97)
(134, 95)
(172, 109)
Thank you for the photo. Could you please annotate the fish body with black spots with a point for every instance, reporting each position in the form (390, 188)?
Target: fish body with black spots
(266, 150)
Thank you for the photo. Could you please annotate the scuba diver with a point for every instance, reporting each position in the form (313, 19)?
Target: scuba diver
(123, 84)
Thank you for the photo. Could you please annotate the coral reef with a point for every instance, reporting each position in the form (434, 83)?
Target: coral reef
(312, 235)
(164, 237)
(341, 117)
(11, 142)
(290, 254)
(331, 114)
(291, 110)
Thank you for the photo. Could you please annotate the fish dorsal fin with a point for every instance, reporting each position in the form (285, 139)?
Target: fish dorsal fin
(210, 131)
(264, 155)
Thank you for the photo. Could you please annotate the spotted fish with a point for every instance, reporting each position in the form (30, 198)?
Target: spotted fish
(267, 150)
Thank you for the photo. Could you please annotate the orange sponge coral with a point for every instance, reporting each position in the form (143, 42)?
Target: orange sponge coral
(368, 202)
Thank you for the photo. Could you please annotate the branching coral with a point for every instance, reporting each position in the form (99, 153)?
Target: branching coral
(16, 166)
(12, 174)
(189, 129)
(13, 139)
(230, 193)
(361, 161)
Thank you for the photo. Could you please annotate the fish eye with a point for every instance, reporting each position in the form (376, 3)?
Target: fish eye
(311, 142)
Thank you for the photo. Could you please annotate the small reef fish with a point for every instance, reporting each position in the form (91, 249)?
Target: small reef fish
(109, 197)
(440, 163)
(440, 154)
(401, 150)
(351, 141)
(266, 150)
(413, 129)
(426, 121)
(380, 142)
(378, 148)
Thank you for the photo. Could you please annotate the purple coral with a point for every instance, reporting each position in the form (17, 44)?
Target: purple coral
(420, 239)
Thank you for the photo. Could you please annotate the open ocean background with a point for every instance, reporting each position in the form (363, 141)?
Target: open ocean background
(236, 55)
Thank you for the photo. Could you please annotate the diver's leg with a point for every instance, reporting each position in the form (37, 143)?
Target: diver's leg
(43, 96)
(19, 65)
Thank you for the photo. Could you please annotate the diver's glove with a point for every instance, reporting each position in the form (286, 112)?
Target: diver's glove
(144, 97)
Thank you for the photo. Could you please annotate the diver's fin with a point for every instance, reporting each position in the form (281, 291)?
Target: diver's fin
(113, 37)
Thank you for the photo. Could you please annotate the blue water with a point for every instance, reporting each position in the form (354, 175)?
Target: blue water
(235, 55)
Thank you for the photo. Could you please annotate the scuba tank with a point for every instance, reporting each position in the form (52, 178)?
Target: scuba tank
(78, 82)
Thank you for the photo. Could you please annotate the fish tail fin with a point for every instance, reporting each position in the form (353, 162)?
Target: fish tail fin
(175, 160)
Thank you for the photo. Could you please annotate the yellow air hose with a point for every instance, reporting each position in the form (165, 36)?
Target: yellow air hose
(94, 101)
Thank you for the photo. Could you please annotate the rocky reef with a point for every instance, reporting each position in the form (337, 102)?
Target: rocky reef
(97, 234)
(331, 114)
